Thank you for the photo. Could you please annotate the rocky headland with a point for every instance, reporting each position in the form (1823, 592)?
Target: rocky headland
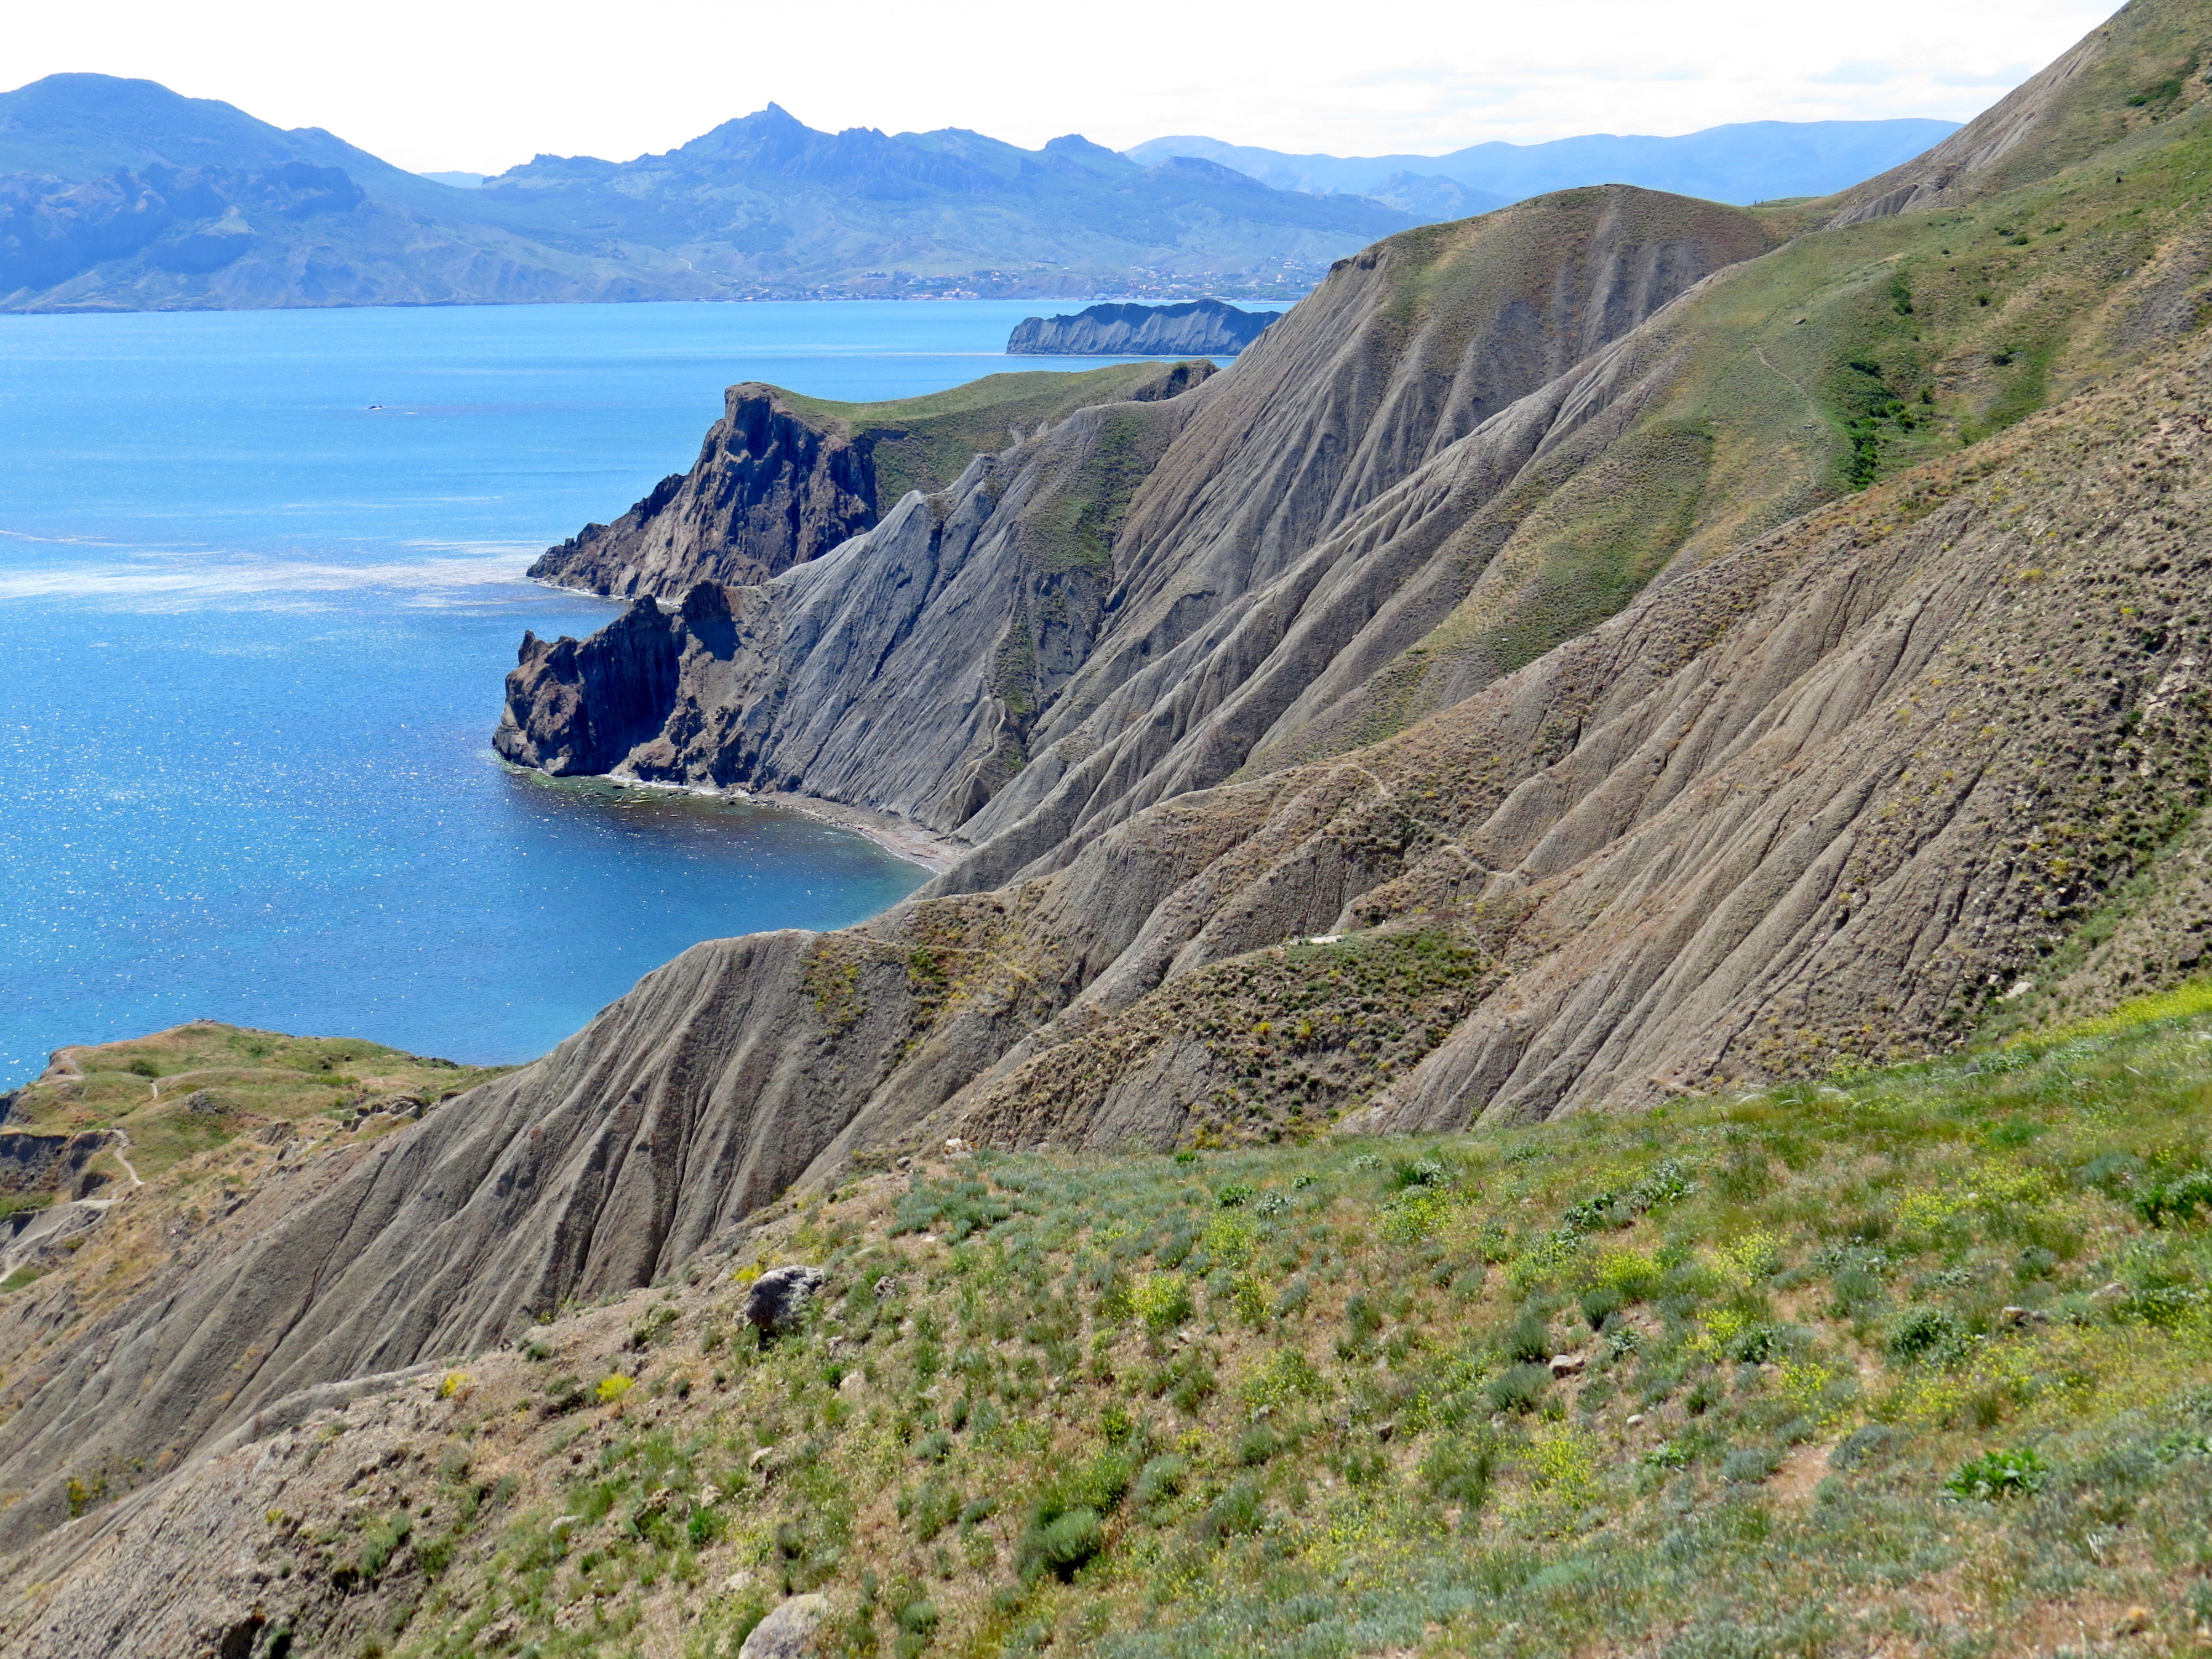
(782, 479)
(1197, 328)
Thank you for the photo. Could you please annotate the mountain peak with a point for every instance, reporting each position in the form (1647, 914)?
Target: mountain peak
(1074, 143)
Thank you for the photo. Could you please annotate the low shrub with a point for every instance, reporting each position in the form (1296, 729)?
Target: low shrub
(1999, 1475)
(1750, 1465)
(1925, 1335)
(1519, 1388)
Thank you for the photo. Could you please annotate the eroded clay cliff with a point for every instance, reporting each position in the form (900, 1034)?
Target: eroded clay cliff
(1566, 706)
(1023, 632)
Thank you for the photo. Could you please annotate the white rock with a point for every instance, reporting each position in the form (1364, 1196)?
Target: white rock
(788, 1630)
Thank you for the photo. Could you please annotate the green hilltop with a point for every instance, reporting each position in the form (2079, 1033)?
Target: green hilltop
(1847, 356)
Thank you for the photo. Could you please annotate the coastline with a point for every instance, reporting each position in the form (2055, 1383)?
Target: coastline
(895, 836)
(898, 836)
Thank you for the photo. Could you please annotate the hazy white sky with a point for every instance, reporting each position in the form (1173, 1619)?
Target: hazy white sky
(479, 86)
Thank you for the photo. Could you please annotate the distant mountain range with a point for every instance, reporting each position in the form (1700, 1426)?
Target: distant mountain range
(1747, 162)
(767, 205)
(122, 195)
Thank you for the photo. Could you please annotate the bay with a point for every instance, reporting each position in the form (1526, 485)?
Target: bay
(260, 580)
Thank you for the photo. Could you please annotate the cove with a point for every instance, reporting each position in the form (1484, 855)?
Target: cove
(260, 580)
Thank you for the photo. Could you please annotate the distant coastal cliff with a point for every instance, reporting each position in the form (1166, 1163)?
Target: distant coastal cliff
(782, 479)
(1197, 328)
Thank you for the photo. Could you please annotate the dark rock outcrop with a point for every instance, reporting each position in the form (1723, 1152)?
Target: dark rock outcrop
(1196, 328)
(901, 672)
(776, 1301)
(32, 1161)
(771, 489)
(781, 479)
(590, 701)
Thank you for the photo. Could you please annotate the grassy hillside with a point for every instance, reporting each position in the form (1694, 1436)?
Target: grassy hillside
(196, 1116)
(2138, 69)
(924, 443)
(1842, 358)
(197, 1088)
(1918, 1361)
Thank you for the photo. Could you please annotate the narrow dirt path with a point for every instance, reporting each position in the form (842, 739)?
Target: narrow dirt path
(226, 1071)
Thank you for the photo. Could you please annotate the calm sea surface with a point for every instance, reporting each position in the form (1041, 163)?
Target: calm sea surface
(252, 634)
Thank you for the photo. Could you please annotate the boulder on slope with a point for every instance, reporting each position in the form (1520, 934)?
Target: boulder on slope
(775, 1302)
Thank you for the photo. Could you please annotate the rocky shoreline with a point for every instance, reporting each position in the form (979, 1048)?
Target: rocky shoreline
(898, 836)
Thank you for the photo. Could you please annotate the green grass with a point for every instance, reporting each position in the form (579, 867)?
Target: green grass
(924, 443)
(197, 1088)
(1839, 359)
(1916, 1363)
(2184, 1002)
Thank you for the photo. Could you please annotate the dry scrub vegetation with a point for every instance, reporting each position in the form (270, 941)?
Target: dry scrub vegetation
(196, 1120)
(1914, 1361)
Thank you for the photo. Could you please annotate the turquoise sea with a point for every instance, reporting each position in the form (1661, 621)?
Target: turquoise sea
(252, 632)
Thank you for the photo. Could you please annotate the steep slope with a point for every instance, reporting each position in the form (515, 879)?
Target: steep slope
(1788, 380)
(2135, 72)
(1424, 478)
(781, 479)
(123, 1152)
(1077, 576)
(1340, 1398)
(1810, 785)
(1824, 798)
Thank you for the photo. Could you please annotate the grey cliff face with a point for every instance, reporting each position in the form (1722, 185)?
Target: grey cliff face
(770, 489)
(1197, 328)
(901, 672)
(780, 480)
(591, 701)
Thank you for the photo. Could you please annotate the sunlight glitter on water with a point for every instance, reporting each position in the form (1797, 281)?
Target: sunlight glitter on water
(253, 645)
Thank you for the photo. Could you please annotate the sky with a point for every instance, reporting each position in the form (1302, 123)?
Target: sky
(474, 86)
